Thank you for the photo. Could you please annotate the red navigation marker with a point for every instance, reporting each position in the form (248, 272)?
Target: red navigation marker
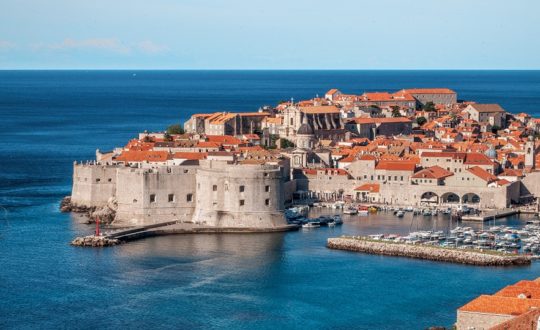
(97, 226)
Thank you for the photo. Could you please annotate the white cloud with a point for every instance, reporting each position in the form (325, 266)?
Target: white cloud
(151, 47)
(7, 45)
(107, 44)
(102, 44)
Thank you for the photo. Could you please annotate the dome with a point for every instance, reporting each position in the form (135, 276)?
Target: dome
(305, 128)
(491, 153)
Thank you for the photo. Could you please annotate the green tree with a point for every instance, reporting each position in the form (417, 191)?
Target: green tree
(429, 106)
(395, 111)
(167, 137)
(421, 121)
(175, 129)
(286, 144)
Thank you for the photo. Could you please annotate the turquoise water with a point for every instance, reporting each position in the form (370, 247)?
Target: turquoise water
(285, 280)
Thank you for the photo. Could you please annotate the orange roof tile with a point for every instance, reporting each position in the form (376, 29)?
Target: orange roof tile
(500, 305)
(482, 174)
(428, 91)
(319, 109)
(396, 166)
(141, 156)
(371, 187)
(434, 172)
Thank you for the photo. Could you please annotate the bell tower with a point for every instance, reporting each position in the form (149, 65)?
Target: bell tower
(530, 153)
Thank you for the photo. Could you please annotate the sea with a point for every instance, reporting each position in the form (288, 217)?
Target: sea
(48, 119)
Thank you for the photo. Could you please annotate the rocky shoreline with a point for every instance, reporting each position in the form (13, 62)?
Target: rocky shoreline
(477, 258)
(105, 213)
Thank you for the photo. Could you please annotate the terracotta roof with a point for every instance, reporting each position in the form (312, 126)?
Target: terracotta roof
(367, 157)
(223, 139)
(475, 158)
(482, 174)
(141, 156)
(428, 91)
(371, 187)
(319, 109)
(500, 305)
(332, 91)
(512, 172)
(189, 155)
(396, 166)
(487, 107)
(206, 144)
(434, 172)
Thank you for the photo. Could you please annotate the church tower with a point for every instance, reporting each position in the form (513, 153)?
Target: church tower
(530, 153)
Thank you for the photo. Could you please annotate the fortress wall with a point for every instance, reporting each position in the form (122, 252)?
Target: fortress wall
(93, 184)
(531, 184)
(143, 195)
(239, 195)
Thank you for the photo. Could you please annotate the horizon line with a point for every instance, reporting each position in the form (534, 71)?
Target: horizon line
(255, 69)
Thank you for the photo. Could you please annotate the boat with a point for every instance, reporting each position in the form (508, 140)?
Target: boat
(372, 209)
(400, 214)
(312, 224)
(426, 212)
(350, 210)
(363, 211)
(337, 219)
(331, 224)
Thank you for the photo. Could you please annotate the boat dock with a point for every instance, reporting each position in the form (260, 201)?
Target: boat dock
(490, 215)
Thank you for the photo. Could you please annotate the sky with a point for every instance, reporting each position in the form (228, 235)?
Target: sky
(270, 34)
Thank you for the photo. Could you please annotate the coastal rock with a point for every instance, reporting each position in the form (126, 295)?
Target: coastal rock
(106, 213)
(479, 258)
(94, 241)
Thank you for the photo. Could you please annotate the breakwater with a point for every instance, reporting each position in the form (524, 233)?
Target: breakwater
(469, 257)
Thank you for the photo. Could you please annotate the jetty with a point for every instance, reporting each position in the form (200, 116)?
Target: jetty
(168, 228)
(491, 215)
(428, 252)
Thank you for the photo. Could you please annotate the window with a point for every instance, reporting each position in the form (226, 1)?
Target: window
(267, 188)
(214, 188)
(242, 188)
(241, 202)
(265, 174)
(97, 180)
(185, 171)
(267, 202)
(402, 178)
(152, 198)
(171, 198)
(110, 180)
(189, 197)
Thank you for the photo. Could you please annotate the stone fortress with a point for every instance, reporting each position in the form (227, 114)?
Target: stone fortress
(216, 193)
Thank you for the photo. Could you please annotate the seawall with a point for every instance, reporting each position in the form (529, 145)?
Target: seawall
(477, 258)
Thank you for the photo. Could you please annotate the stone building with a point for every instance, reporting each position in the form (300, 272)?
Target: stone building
(491, 114)
(514, 307)
(435, 95)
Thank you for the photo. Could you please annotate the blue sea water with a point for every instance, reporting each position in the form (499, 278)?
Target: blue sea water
(48, 119)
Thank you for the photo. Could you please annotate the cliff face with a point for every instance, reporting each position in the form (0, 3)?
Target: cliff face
(427, 252)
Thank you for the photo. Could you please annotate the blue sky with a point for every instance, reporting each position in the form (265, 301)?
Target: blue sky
(271, 34)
